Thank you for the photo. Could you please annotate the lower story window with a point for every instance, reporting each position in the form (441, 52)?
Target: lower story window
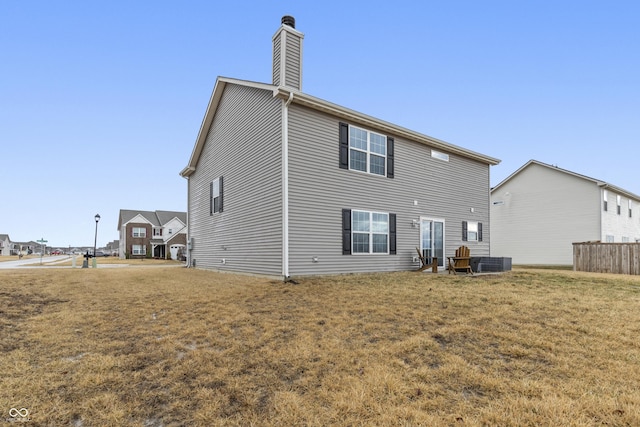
(365, 232)
(471, 231)
(370, 232)
(139, 250)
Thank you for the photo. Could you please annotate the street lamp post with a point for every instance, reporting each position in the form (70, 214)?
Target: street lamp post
(95, 241)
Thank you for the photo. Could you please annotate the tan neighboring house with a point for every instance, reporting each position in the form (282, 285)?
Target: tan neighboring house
(152, 234)
(540, 210)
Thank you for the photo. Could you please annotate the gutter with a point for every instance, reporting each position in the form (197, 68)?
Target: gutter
(390, 128)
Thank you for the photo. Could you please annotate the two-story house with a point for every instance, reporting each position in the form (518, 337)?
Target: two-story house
(5, 245)
(540, 210)
(285, 184)
(157, 234)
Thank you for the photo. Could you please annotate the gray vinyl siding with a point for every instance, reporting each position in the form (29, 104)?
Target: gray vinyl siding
(319, 190)
(277, 60)
(294, 61)
(540, 212)
(290, 59)
(243, 146)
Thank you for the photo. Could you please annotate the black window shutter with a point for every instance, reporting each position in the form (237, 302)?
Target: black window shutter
(392, 234)
(464, 231)
(220, 202)
(211, 198)
(344, 146)
(479, 232)
(346, 231)
(389, 157)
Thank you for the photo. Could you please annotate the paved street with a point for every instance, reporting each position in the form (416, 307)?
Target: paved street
(51, 261)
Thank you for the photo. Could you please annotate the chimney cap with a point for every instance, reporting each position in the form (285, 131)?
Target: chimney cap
(289, 20)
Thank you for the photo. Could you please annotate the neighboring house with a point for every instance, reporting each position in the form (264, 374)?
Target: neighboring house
(156, 234)
(15, 248)
(5, 245)
(284, 184)
(540, 210)
(113, 248)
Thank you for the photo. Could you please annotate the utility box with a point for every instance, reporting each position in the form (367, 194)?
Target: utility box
(486, 264)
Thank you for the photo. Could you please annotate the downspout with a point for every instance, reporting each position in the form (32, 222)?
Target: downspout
(285, 187)
(187, 247)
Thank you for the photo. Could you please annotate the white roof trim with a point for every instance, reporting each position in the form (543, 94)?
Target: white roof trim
(356, 117)
(324, 106)
(597, 182)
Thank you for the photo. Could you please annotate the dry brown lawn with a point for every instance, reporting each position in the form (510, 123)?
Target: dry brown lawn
(182, 347)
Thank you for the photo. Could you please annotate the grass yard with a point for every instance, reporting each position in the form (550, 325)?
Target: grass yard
(173, 346)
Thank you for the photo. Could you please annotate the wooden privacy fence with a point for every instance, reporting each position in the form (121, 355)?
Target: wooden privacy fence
(597, 257)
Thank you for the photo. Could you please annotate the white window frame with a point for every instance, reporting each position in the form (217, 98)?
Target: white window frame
(619, 204)
(138, 249)
(369, 151)
(157, 231)
(215, 194)
(138, 233)
(370, 232)
(472, 231)
(440, 155)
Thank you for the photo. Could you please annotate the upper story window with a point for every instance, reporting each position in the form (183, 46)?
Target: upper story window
(604, 199)
(139, 232)
(170, 231)
(366, 151)
(618, 204)
(215, 196)
(438, 155)
(630, 208)
(157, 231)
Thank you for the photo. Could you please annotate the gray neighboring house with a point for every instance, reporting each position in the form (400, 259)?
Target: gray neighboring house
(284, 184)
(540, 210)
(156, 234)
(5, 245)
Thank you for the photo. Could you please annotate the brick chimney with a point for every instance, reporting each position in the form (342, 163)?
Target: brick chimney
(287, 55)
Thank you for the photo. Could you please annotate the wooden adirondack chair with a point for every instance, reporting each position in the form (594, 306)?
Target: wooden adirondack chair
(424, 263)
(460, 261)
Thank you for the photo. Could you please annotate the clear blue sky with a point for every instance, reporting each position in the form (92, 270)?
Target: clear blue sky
(101, 101)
